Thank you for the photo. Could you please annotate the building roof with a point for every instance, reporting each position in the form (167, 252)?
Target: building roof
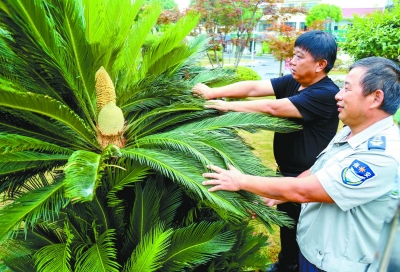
(349, 12)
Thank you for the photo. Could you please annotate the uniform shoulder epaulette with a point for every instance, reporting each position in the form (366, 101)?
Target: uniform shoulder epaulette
(377, 142)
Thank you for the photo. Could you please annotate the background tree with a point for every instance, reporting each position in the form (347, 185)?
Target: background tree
(102, 145)
(375, 34)
(281, 43)
(222, 18)
(324, 12)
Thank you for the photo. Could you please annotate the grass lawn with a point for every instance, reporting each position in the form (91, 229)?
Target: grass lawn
(262, 144)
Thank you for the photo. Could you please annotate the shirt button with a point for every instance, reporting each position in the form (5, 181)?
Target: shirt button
(320, 252)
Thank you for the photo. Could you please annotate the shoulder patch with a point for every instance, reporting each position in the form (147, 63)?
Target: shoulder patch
(357, 173)
(377, 142)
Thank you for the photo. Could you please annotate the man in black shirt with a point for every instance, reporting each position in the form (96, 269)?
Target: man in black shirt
(307, 97)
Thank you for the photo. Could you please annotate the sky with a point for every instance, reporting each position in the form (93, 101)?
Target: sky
(182, 3)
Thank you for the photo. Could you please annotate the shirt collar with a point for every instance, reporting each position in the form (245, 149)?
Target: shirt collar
(370, 131)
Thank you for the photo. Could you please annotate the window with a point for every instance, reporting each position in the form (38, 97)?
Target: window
(264, 26)
(292, 24)
(303, 26)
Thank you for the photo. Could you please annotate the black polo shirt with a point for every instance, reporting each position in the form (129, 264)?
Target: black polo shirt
(296, 152)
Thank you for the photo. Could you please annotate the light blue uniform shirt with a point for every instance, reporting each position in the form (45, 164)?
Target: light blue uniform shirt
(359, 175)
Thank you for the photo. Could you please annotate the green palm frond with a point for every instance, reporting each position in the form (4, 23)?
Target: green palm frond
(95, 15)
(170, 200)
(170, 39)
(196, 244)
(84, 172)
(16, 256)
(18, 167)
(121, 178)
(101, 256)
(107, 28)
(79, 60)
(27, 159)
(17, 69)
(82, 175)
(11, 143)
(128, 59)
(170, 62)
(215, 77)
(40, 26)
(55, 257)
(149, 253)
(45, 53)
(37, 127)
(144, 215)
(184, 142)
(141, 124)
(267, 215)
(245, 254)
(40, 204)
(185, 173)
(251, 122)
(50, 108)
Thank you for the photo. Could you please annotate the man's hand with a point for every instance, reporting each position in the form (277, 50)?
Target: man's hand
(271, 202)
(220, 105)
(202, 90)
(228, 180)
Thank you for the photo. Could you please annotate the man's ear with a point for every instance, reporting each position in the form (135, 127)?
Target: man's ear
(378, 96)
(321, 64)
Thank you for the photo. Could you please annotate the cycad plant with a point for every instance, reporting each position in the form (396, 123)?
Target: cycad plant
(102, 145)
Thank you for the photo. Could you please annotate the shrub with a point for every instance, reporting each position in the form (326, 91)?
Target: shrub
(211, 53)
(265, 48)
(245, 73)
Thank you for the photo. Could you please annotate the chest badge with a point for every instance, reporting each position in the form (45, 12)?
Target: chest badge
(357, 173)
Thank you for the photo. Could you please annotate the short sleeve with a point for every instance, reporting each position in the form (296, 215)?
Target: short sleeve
(358, 179)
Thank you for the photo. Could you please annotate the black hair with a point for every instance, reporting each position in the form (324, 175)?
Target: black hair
(381, 74)
(320, 45)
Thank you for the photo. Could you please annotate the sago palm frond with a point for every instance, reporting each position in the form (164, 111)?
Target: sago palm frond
(79, 60)
(127, 63)
(143, 123)
(55, 257)
(41, 50)
(170, 39)
(17, 168)
(11, 143)
(43, 203)
(196, 244)
(48, 107)
(247, 121)
(183, 172)
(34, 126)
(101, 256)
(16, 256)
(150, 251)
(88, 168)
(120, 178)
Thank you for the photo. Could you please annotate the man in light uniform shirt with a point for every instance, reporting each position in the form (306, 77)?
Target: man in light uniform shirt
(350, 192)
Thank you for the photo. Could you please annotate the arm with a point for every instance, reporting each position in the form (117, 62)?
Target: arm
(250, 88)
(308, 189)
(272, 202)
(279, 107)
